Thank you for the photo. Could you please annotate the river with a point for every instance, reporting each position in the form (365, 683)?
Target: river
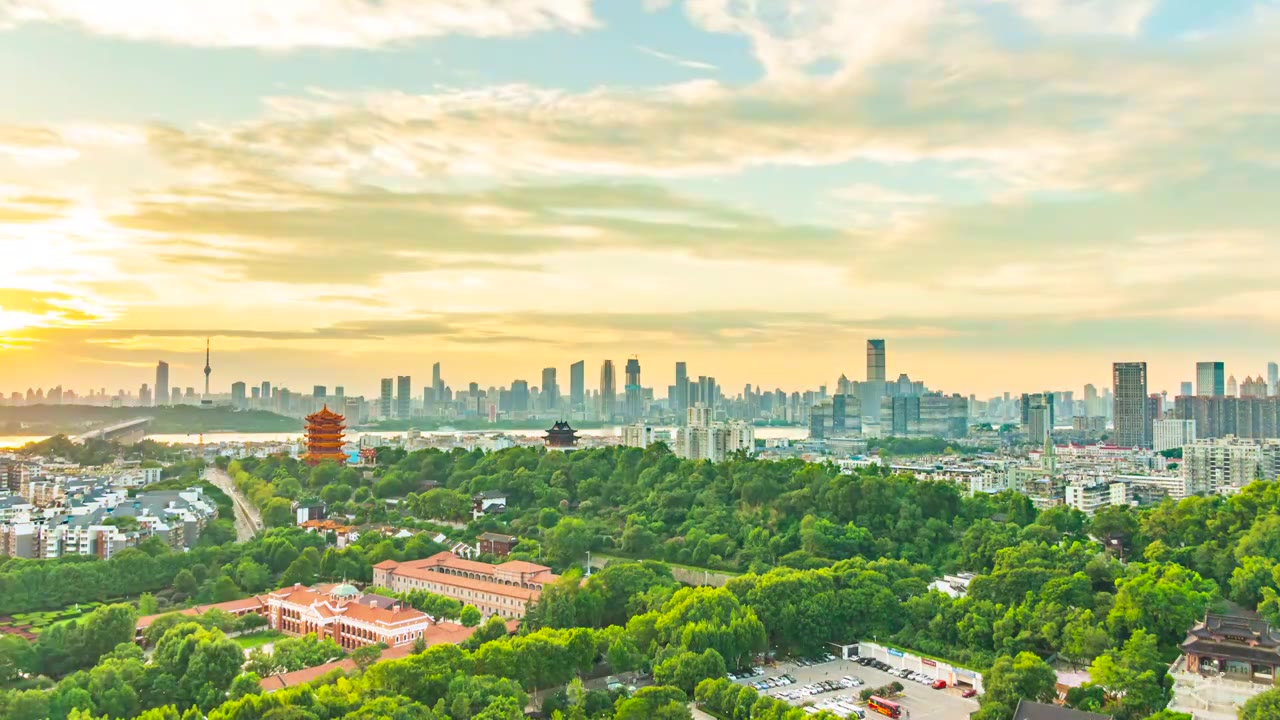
(765, 433)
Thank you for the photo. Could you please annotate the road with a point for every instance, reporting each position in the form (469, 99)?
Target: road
(248, 523)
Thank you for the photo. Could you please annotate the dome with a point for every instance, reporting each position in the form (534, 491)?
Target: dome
(345, 590)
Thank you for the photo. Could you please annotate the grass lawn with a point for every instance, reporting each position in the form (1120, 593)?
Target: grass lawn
(258, 639)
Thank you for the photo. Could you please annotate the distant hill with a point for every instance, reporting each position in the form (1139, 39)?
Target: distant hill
(76, 419)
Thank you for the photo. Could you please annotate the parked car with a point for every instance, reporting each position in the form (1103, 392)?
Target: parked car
(969, 692)
(939, 684)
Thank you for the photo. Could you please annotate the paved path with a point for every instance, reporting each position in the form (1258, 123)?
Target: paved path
(248, 523)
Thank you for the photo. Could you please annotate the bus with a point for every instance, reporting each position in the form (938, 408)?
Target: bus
(887, 708)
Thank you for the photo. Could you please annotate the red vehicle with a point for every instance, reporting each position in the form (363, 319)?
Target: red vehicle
(888, 708)
(969, 693)
(939, 684)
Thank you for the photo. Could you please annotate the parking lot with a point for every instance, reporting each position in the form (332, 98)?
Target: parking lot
(920, 702)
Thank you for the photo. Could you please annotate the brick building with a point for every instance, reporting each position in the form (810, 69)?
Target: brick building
(504, 590)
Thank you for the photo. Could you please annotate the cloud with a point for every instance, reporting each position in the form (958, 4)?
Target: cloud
(353, 236)
(29, 145)
(291, 24)
(27, 308)
(676, 59)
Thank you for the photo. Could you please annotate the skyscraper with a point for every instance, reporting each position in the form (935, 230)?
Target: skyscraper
(1273, 378)
(403, 399)
(608, 391)
(266, 393)
(1188, 388)
(238, 399)
(437, 384)
(633, 409)
(1233, 389)
(680, 403)
(875, 361)
(1132, 424)
(385, 399)
(550, 390)
(1210, 379)
(519, 396)
(162, 383)
(577, 385)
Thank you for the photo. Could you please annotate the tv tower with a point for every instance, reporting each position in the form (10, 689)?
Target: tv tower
(207, 369)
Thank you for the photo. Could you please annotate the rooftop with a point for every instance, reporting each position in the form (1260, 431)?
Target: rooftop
(1028, 710)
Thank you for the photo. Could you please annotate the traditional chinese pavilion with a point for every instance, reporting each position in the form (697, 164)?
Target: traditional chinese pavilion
(324, 437)
(561, 437)
(1239, 648)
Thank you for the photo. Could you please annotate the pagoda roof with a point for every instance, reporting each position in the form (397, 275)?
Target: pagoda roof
(325, 415)
(561, 428)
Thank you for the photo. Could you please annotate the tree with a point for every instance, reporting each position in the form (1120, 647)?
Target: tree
(185, 582)
(687, 669)
(224, 589)
(147, 604)
(366, 655)
(654, 703)
(278, 512)
(300, 572)
(16, 657)
(1164, 599)
(1134, 677)
(245, 684)
(568, 542)
(470, 617)
(252, 576)
(1263, 706)
(1015, 678)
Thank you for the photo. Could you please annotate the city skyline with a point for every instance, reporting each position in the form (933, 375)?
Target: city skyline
(356, 190)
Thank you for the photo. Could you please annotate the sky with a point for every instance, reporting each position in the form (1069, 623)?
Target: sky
(1013, 193)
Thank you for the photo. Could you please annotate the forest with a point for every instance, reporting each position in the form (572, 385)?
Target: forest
(825, 557)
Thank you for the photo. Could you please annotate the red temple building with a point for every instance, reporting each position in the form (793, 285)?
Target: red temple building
(324, 437)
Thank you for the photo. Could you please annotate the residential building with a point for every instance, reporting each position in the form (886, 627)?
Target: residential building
(1089, 497)
(497, 543)
(703, 439)
(637, 435)
(1225, 465)
(1039, 422)
(1246, 417)
(1132, 420)
(1172, 434)
(1210, 379)
(504, 590)
(238, 398)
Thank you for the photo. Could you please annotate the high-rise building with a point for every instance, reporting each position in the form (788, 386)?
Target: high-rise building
(1273, 378)
(404, 399)
(1233, 389)
(634, 408)
(680, 403)
(1188, 389)
(319, 392)
(1132, 423)
(266, 391)
(1227, 464)
(519, 396)
(875, 361)
(437, 384)
(550, 396)
(238, 399)
(639, 435)
(144, 396)
(340, 393)
(608, 391)
(385, 399)
(1210, 379)
(578, 386)
(1172, 434)
(1253, 388)
(162, 383)
(1039, 422)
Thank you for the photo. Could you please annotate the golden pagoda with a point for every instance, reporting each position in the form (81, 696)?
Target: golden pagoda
(324, 437)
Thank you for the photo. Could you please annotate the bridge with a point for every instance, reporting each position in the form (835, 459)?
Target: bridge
(129, 431)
